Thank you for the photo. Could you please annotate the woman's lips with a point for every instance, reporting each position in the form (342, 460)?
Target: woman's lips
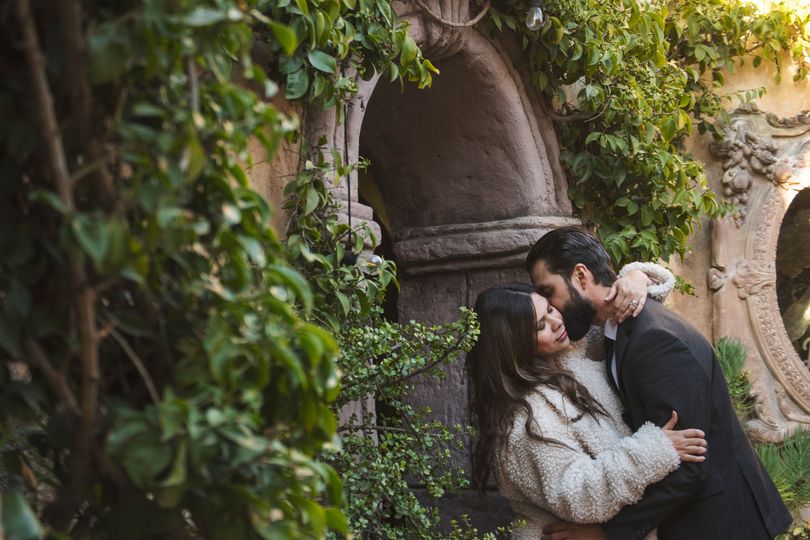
(563, 335)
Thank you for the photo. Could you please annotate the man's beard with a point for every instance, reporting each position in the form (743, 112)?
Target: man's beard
(578, 315)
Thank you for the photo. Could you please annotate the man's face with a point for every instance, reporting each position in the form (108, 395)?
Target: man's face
(578, 312)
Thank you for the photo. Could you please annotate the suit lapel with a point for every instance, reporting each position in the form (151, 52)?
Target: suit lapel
(622, 336)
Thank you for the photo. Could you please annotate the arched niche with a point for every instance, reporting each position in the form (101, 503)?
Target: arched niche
(465, 176)
(766, 163)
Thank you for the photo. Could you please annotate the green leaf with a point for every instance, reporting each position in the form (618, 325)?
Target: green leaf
(285, 36)
(668, 128)
(172, 488)
(322, 62)
(48, 197)
(557, 30)
(313, 198)
(294, 280)
(592, 136)
(344, 302)
(336, 520)
(409, 51)
(92, 235)
(192, 161)
(297, 84)
(19, 520)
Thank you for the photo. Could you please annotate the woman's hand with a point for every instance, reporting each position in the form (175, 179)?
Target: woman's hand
(689, 443)
(628, 294)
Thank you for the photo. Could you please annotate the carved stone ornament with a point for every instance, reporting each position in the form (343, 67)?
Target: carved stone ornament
(752, 278)
(716, 278)
(748, 152)
(766, 162)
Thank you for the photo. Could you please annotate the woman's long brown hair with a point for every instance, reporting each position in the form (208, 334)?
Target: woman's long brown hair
(503, 369)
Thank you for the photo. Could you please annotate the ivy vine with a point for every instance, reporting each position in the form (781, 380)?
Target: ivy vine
(628, 81)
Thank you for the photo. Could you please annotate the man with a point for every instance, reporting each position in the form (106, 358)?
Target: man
(658, 363)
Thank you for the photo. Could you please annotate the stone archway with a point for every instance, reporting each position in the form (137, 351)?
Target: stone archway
(467, 176)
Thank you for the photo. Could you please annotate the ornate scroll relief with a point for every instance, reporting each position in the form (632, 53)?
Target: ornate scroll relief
(752, 278)
(766, 162)
(747, 152)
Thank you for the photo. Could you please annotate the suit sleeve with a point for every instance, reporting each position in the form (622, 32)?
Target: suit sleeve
(662, 374)
(581, 488)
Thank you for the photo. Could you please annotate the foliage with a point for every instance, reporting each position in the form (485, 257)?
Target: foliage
(338, 39)
(799, 531)
(387, 445)
(788, 463)
(159, 352)
(463, 530)
(731, 355)
(629, 81)
(383, 361)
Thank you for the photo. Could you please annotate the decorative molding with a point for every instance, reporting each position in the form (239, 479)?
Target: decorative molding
(716, 278)
(752, 278)
(801, 120)
(765, 163)
(769, 328)
(748, 149)
(466, 246)
(745, 153)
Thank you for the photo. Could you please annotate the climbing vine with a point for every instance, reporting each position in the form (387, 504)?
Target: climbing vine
(627, 83)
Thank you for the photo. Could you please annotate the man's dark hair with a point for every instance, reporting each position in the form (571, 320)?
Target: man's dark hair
(564, 248)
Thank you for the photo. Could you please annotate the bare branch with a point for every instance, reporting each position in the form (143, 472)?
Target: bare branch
(78, 87)
(139, 365)
(85, 297)
(47, 114)
(58, 382)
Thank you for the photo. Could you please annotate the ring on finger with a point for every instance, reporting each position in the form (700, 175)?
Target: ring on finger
(634, 303)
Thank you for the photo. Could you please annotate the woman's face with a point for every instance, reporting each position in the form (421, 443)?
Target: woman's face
(550, 334)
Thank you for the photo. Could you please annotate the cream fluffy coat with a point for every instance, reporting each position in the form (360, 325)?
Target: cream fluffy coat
(604, 466)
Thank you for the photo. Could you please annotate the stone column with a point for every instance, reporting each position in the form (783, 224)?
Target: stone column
(441, 269)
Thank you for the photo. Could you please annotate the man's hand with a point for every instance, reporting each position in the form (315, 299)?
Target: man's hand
(570, 531)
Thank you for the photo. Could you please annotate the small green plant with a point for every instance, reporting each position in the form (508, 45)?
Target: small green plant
(387, 445)
(731, 354)
(787, 463)
(462, 529)
(789, 466)
(800, 531)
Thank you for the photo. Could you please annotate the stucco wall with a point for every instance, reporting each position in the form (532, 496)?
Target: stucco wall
(783, 99)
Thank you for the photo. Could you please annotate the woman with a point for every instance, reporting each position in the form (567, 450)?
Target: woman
(550, 425)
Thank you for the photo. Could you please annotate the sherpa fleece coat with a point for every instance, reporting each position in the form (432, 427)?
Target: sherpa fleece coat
(603, 466)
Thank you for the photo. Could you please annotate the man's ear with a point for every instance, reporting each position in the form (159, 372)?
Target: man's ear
(582, 276)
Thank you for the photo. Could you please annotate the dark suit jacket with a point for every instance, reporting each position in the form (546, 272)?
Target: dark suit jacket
(664, 364)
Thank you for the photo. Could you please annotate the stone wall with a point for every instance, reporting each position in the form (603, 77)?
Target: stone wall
(761, 164)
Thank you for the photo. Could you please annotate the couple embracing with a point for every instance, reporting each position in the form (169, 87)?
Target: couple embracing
(568, 406)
